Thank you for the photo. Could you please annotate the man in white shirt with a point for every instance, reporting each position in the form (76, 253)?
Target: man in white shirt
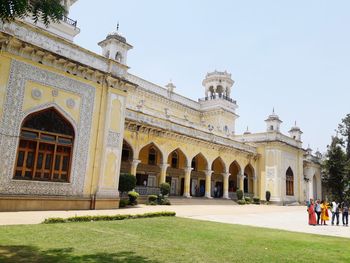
(335, 212)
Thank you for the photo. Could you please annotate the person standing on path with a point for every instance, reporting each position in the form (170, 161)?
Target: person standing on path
(335, 212)
(318, 210)
(324, 212)
(345, 212)
(311, 211)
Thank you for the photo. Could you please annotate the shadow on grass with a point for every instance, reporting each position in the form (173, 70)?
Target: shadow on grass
(28, 254)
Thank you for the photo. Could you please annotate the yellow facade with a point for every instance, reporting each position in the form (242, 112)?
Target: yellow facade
(124, 124)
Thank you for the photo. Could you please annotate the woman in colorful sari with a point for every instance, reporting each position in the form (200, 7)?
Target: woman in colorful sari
(312, 214)
(324, 213)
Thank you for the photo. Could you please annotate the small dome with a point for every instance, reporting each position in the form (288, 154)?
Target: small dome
(273, 117)
(116, 35)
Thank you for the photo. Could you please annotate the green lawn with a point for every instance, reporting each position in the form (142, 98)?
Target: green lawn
(164, 240)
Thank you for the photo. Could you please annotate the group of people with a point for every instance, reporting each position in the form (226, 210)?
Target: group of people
(320, 209)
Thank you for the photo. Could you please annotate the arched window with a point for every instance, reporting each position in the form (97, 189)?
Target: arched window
(174, 160)
(289, 182)
(152, 156)
(45, 147)
(194, 164)
(126, 152)
(118, 57)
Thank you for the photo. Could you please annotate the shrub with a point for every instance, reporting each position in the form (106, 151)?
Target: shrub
(54, 220)
(123, 203)
(164, 201)
(247, 199)
(268, 196)
(127, 182)
(133, 197)
(239, 194)
(105, 218)
(152, 203)
(256, 200)
(164, 188)
(241, 202)
(152, 198)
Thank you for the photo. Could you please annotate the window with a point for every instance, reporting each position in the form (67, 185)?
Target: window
(45, 148)
(271, 128)
(126, 152)
(152, 156)
(174, 160)
(194, 164)
(289, 182)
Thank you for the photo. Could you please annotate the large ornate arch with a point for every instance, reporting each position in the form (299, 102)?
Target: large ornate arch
(13, 115)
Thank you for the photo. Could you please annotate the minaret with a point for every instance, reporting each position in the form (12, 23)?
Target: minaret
(295, 132)
(273, 122)
(115, 47)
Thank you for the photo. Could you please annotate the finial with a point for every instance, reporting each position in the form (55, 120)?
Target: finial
(273, 110)
(118, 26)
(295, 123)
(247, 128)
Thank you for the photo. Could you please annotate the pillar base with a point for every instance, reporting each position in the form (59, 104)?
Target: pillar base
(226, 196)
(187, 196)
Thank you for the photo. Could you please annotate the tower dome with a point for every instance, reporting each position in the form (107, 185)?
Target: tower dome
(115, 47)
(218, 85)
(273, 122)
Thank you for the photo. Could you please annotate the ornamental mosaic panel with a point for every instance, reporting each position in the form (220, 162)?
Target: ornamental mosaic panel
(12, 119)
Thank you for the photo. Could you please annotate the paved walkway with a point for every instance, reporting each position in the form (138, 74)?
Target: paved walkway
(292, 218)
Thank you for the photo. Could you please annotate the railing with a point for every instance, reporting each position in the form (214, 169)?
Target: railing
(70, 21)
(147, 190)
(218, 96)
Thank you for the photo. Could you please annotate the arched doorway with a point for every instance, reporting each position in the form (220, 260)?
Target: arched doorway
(148, 170)
(175, 172)
(248, 186)
(233, 183)
(289, 182)
(217, 182)
(45, 147)
(127, 157)
(199, 165)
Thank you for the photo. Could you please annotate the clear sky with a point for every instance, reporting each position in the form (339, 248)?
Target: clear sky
(291, 55)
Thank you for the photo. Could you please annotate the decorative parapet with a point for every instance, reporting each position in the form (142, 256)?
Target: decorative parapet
(180, 129)
(151, 87)
(215, 102)
(268, 137)
(61, 48)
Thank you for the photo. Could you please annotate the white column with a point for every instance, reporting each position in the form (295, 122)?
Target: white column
(134, 165)
(163, 168)
(240, 177)
(208, 174)
(255, 185)
(225, 190)
(187, 182)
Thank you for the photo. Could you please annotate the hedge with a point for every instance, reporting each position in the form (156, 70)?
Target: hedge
(54, 220)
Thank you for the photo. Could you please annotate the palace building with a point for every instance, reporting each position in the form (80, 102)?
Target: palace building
(72, 121)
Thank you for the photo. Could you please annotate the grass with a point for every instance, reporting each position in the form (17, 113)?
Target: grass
(164, 240)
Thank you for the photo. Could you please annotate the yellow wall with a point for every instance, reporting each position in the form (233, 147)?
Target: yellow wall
(98, 120)
(4, 75)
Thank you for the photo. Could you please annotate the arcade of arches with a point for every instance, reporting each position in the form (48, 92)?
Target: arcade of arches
(187, 174)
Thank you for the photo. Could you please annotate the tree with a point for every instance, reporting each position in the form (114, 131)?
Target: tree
(344, 130)
(164, 188)
(46, 11)
(127, 182)
(335, 169)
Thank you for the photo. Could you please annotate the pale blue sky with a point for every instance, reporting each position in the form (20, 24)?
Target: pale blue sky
(293, 55)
